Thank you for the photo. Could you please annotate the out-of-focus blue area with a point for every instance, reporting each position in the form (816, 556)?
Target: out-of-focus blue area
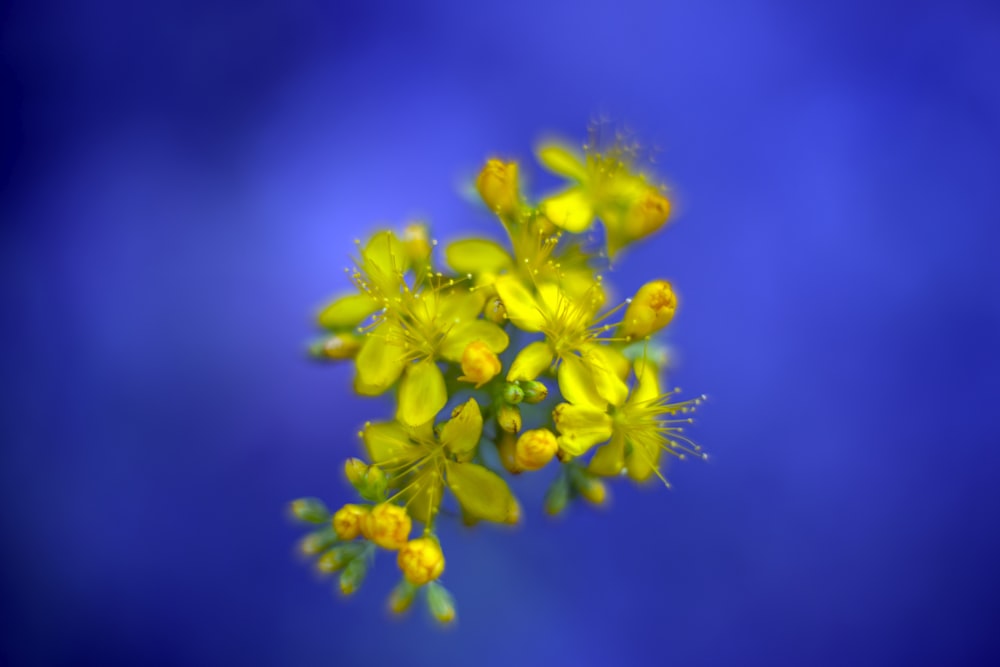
(181, 186)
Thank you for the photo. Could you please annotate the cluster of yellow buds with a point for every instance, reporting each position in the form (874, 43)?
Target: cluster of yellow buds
(504, 358)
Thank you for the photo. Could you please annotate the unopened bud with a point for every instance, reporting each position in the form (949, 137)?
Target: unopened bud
(417, 243)
(421, 560)
(440, 603)
(535, 448)
(387, 525)
(339, 556)
(347, 521)
(497, 185)
(534, 391)
(557, 497)
(507, 449)
(512, 393)
(336, 347)
(647, 214)
(651, 309)
(353, 575)
(402, 597)
(509, 418)
(318, 541)
(479, 363)
(310, 510)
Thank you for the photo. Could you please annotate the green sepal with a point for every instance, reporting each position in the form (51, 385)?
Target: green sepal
(558, 495)
(318, 541)
(353, 575)
(440, 603)
(339, 556)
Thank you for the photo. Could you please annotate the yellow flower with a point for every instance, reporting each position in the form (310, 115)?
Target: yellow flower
(421, 560)
(436, 319)
(650, 310)
(588, 371)
(480, 364)
(535, 448)
(420, 467)
(497, 185)
(347, 521)
(387, 525)
(637, 430)
(604, 187)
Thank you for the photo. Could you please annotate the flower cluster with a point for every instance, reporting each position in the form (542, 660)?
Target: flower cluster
(504, 359)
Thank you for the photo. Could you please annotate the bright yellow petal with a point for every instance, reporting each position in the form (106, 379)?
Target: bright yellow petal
(530, 362)
(459, 306)
(647, 383)
(481, 492)
(523, 309)
(388, 443)
(347, 312)
(581, 427)
(422, 393)
(609, 385)
(462, 334)
(570, 210)
(477, 256)
(384, 260)
(642, 461)
(577, 383)
(461, 433)
(563, 161)
(609, 459)
(423, 497)
(378, 365)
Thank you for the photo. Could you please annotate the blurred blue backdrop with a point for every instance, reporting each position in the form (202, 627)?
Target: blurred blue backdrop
(181, 185)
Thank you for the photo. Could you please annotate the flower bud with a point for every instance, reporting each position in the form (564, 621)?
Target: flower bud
(336, 347)
(402, 597)
(417, 243)
(512, 393)
(318, 541)
(594, 491)
(421, 560)
(557, 497)
(651, 309)
(339, 556)
(507, 449)
(347, 521)
(509, 418)
(355, 470)
(353, 575)
(479, 363)
(369, 480)
(440, 603)
(310, 510)
(497, 185)
(535, 448)
(495, 311)
(387, 525)
(534, 391)
(647, 214)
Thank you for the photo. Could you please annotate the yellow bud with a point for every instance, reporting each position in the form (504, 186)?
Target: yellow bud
(338, 346)
(355, 470)
(509, 418)
(421, 560)
(495, 311)
(535, 448)
(497, 185)
(651, 309)
(347, 521)
(479, 363)
(387, 525)
(417, 242)
(647, 214)
(594, 491)
(507, 449)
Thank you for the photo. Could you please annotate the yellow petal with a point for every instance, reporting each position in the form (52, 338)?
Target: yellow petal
(522, 307)
(459, 306)
(530, 362)
(563, 161)
(481, 492)
(581, 427)
(384, 260)
(609, 385)
(647, 383)
(388, 443)
(570, 210)
(378, 364)
(423, 497)
(577, 383)
(422, 393)
(642, 460)
(466, 332)
(461, 433)
(609, 459)
(477, 256)
(347, 312)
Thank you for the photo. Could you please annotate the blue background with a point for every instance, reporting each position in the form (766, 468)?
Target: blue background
(181, 184)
